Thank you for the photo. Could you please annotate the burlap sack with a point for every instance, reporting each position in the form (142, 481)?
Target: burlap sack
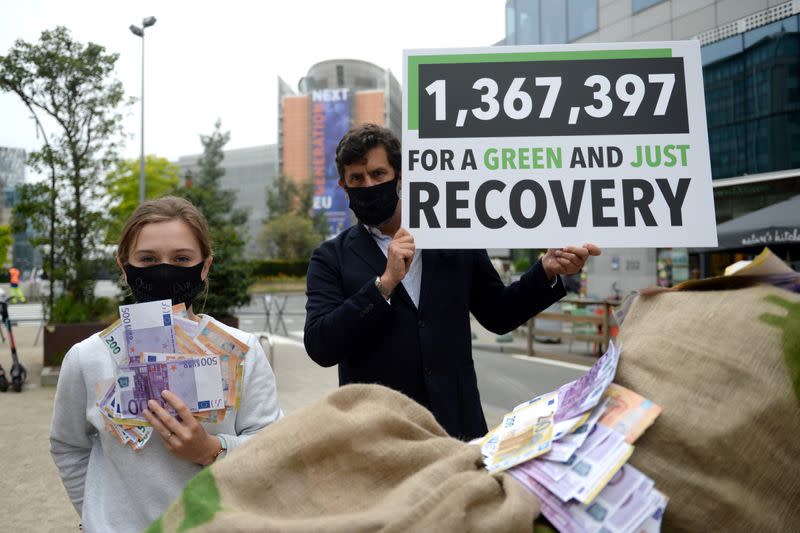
(365, 458)
(725, 367)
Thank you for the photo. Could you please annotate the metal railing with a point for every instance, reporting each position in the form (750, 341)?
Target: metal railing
(275, 312)
(24, 313)
(597, 333)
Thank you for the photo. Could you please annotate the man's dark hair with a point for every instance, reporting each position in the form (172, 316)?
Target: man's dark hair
(361, 139)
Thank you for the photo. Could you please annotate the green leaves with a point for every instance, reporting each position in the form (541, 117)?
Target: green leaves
(70, 90)
(289, 236)
(6, 239)
(790, 324)
(290, 230)
(230, 275)
(122, 183)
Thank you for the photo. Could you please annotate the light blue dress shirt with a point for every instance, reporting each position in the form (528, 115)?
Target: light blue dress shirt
(413, 280)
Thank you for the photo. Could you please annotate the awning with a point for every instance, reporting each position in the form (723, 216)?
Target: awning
(776, 224)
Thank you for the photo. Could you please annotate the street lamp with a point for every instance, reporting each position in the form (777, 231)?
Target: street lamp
(136, 30)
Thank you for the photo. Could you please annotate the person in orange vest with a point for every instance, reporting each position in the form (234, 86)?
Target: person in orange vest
(16, 291)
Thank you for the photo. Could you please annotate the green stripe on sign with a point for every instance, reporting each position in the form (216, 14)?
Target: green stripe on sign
(415, 61)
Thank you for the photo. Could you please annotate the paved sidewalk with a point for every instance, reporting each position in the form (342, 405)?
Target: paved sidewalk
(31, 494)
(32, 497)
(578, 353)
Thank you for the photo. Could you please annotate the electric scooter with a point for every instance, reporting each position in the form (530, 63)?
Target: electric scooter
(18, 372)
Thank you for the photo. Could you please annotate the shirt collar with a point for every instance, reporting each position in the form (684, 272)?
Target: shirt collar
(378, 234)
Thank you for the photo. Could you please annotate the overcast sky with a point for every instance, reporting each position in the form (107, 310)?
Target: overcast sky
(210, 59)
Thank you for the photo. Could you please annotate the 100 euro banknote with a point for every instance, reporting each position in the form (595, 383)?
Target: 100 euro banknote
(197, 381)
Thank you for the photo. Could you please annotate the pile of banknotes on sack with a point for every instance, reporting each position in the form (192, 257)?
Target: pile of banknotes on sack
(570, 447)
(157, 348)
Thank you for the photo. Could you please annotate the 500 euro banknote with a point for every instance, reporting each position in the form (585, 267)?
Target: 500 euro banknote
(148, 328)
(197, 381)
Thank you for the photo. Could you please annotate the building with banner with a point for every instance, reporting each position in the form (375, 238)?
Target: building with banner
(751, 73)
(248, 172)
(334, 96)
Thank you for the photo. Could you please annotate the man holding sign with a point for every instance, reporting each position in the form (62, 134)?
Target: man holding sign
(390, 314)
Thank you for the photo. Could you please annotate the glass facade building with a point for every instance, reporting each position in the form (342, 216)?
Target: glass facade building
(752, 86)
(751, 78)
(751, 72)
(549, 21)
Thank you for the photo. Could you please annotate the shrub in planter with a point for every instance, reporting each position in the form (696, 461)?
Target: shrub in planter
(280, 267)
(72, 321)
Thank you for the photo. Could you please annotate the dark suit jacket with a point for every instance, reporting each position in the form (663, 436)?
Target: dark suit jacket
(425, 353)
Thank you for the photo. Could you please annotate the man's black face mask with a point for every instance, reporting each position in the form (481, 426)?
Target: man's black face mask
(165, 282)
(374, 205)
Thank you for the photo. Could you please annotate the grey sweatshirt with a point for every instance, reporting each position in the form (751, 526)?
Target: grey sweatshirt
(112, 487)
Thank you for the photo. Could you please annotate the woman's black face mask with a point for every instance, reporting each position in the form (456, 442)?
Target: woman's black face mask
(374, 205)
(165, 282)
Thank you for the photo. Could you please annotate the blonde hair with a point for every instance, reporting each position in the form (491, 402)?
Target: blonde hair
(164, 209)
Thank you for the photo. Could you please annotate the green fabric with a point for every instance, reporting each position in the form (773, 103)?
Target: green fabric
(725, 448)
(201, 500)
(155, 527)
(790, 324)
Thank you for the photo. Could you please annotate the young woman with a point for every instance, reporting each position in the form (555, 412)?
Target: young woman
(164, 252)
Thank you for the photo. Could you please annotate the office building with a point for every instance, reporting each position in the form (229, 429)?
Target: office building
(248, 172)
(334, 96)
(751, 73)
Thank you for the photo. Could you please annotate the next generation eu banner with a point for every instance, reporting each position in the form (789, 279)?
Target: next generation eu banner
(330, 117)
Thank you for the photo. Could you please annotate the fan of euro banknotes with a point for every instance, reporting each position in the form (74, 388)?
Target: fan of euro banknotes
(570, 447)
(157, 348)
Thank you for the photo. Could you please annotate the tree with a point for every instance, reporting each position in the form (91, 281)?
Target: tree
(231, 275)
(6, 240)
(161, 177)
(291, 231)
(68, 88)
(289, 236)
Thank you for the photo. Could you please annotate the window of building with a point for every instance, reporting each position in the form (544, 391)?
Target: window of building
(511, 23)
(549, 21)
(581, 18)
(641, 5)
(339, 75)
(721, 49)
(756, 34)
(528, 22)
(553, 22)
(752, 92)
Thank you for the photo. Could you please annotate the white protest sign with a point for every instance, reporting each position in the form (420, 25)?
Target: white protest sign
(548, 146)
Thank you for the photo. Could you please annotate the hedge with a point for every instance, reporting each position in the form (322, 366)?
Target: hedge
(278, 267)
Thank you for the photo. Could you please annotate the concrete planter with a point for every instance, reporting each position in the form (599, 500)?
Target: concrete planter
(59, 338)
(232, 321)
